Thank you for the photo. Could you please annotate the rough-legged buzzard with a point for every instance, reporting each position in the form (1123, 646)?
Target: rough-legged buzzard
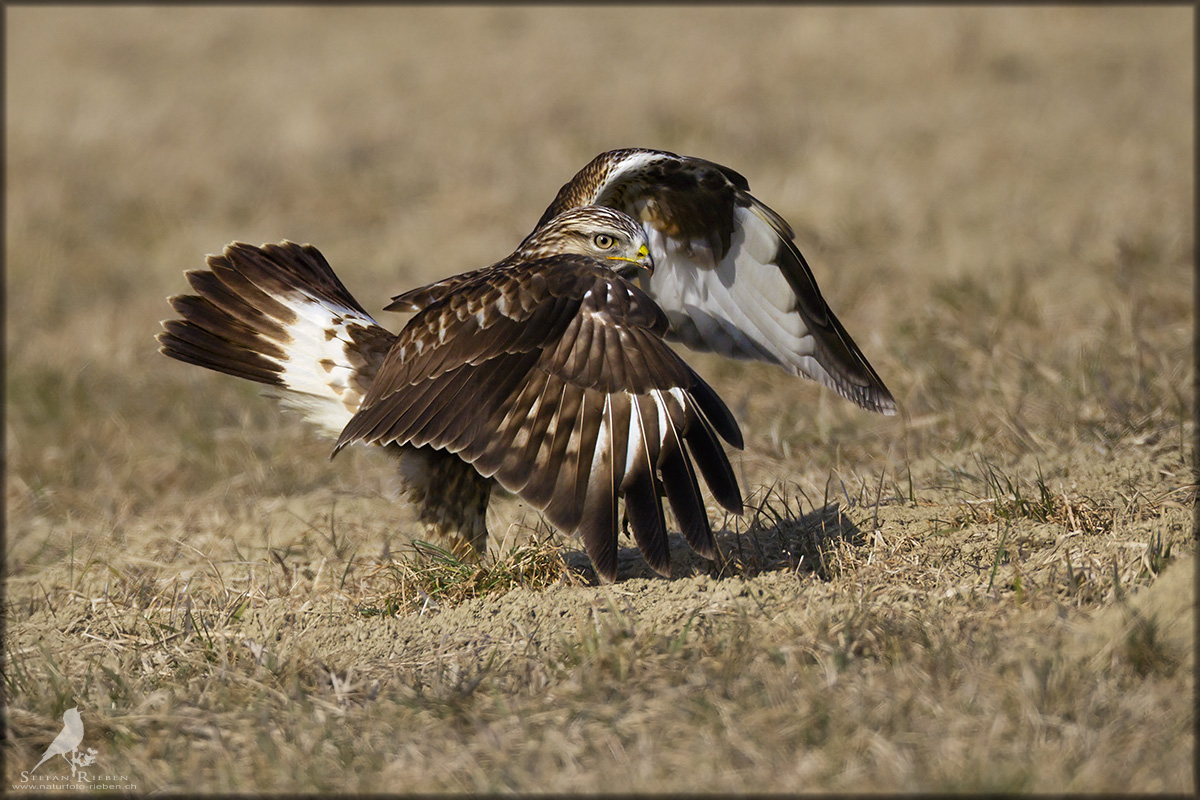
(546, 372)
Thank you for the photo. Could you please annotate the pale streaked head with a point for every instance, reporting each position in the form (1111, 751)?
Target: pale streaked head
(594, 231)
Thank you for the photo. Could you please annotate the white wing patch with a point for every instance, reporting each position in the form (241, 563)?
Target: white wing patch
(603, 449)
(321, 361)
(634, 447)
(664, 416)
(741, 308)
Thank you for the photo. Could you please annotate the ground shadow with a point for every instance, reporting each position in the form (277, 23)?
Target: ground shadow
(766, 539)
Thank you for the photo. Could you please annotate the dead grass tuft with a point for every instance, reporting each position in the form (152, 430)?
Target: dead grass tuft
(436, 577)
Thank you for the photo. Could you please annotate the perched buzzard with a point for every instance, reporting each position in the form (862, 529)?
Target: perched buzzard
(546, 372)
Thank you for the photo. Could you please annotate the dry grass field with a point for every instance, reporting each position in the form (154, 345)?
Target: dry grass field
(991, 591)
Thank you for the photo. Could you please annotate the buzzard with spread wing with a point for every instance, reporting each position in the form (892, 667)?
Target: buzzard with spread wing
(546, 372)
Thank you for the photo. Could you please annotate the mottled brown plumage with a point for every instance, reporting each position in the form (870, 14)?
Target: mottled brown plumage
(548, 372)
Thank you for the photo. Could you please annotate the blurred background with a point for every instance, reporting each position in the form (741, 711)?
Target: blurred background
(996, 202)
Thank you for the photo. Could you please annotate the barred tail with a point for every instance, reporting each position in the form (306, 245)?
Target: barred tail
(278, 315)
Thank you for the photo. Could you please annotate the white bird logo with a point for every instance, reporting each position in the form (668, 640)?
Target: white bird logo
(67, 741)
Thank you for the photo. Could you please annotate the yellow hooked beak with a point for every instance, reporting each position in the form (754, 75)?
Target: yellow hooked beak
(643, 259)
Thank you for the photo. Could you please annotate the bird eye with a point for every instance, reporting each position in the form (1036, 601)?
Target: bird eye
(604, 241)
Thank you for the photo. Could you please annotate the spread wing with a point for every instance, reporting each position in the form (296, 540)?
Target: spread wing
(552, 376)
(727, 271)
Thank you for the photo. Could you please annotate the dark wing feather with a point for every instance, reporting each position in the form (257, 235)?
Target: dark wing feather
(570, 491)
(710, 458)
(679, 482)
(194, 344)
(642, 488)
(727, 270)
